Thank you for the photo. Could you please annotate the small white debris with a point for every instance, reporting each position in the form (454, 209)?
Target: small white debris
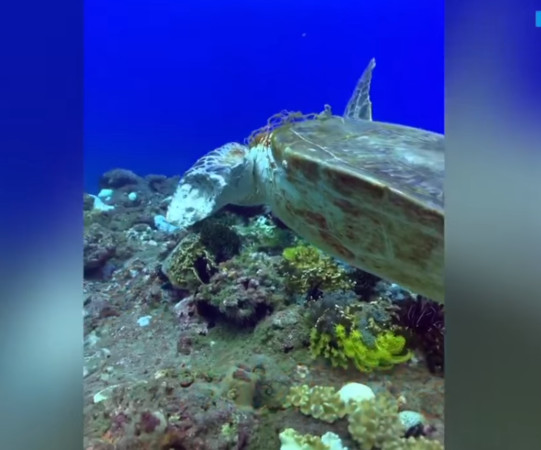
(106, 194)
(99, 397)
(144, 321)
(409, 419)
(356, 392)
(291, 440)
(100, 205)
(104, 394)
(332, 441)
(132, 196)
(92, 339)
(161, 224)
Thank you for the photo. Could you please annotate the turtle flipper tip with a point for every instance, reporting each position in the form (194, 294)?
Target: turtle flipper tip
(359, 106)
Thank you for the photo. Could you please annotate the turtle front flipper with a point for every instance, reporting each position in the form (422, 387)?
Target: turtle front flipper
(223, 176)
(360, 106)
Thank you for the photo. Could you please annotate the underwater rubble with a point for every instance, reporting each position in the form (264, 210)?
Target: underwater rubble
(236, 334)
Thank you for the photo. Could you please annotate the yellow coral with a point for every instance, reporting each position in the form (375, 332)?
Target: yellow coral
(307, 269)
(344, 347)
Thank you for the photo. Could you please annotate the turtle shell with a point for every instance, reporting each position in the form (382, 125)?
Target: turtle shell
(370, 193)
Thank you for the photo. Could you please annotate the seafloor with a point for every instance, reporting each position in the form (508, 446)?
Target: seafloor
(202, 355)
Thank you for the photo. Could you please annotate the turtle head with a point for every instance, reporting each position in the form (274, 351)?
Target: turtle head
(223, 176)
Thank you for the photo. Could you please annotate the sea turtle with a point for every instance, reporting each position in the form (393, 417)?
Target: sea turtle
(369, 193)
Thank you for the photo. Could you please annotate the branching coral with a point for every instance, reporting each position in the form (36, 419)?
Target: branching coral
(309, 272)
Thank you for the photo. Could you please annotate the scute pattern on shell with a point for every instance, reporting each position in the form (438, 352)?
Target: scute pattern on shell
(369, 193)
(406, 159)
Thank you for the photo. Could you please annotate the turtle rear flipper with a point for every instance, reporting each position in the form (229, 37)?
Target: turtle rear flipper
(221, 177)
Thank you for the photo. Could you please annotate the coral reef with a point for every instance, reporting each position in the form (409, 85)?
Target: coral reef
(118, 178)
(160, 415)
(284, 331)
(193, 338)
(98, 248)
(373, 421)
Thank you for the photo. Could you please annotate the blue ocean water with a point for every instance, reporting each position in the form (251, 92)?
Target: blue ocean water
(168, 80)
